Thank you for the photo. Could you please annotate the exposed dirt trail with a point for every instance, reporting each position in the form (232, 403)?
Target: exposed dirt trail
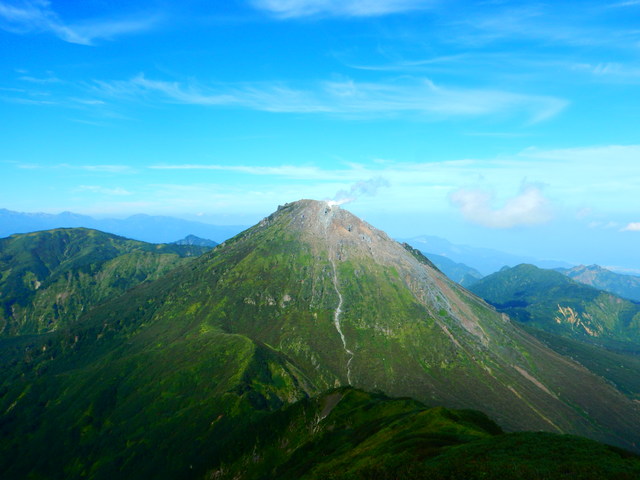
(336, 321)
(338, 310)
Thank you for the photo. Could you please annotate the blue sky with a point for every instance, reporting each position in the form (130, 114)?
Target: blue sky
(493, 123)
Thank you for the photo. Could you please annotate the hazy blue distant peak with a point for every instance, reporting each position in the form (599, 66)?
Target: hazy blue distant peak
(627, 286)
(194, 240)
(484, 260)
(458, 272)
(148, 228)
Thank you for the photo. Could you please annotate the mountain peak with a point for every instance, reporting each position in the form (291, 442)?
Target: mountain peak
(195, 240)
(309, 213)
(626, 286)
(326, 225)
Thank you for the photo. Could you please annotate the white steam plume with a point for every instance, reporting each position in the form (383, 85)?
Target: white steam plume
(363, 187)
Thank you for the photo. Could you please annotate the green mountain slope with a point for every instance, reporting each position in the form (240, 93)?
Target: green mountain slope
(135, 400)
(50, 278)
(350, 306)
(626, 286)
(553, 302)
(618, 368)
(350, 434)
(159, 382)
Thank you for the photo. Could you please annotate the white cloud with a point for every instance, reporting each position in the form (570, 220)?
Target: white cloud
(27, 101)
(344, 97)
(29, 16)
(600, 183)
(609, 71)
(607, 174)
(99, 168)
(587, 155)
(117, 191)
(89, 168)
(88, 101)
(529, 207)
(339, 8)
(602, 179)
(288, 171)
(550, 23)
(630, 3)
(46, 80)
(632, 227)
(602, 225)
(405, 65)
(108, 168)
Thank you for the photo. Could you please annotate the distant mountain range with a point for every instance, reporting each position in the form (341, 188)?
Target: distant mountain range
(146, 228)
(483, 260)
(626, 286)
(554, 302)
(164, 229)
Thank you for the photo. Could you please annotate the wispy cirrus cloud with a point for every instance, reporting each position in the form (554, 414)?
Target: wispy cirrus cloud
(614, 71)
(591, 156)
(116, 191)
(140, 87)
(574, 176)
(603, 224)
(481, 189)
(339, 8)
(287, 171)
(547, 25)
(27, 101)
(99, 168)
(417, 96)
(409, 65)
(36, 16)
(50, 78)
(102, 168)
(629, 3)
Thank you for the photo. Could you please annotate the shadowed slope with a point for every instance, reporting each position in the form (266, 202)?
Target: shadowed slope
(349, 434)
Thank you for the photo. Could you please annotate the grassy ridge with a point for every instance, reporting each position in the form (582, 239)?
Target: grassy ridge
(350, 434)
(49, 279)
(142, 412)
